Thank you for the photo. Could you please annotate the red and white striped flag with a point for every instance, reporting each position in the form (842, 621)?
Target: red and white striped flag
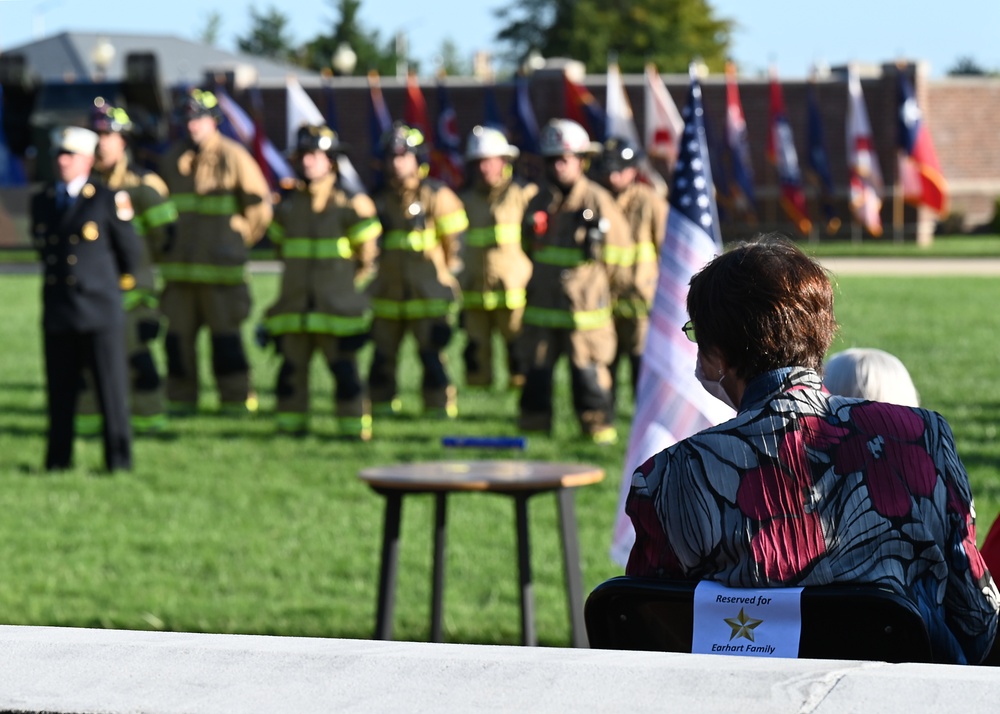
(621, 123)
(862, 161)
(663, 122)
(671, 404)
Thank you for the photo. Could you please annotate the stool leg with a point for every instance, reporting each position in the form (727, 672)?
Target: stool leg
(388, 568)
(440, 543)
(571, 563)
(528, 635)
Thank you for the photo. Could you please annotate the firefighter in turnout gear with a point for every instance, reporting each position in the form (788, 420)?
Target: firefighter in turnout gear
(495, 269)
(634, 269)
(327, 239)
(568, 227)
(415, 289)
(154, 217)
(224, 206)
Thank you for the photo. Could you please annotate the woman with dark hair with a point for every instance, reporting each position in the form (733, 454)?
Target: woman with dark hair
(802, 487)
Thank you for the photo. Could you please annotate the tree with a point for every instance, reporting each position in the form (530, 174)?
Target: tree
(966, 67)
(372, 52)
(209, 34)
(268, 36)
(669, 33)
(450, 60)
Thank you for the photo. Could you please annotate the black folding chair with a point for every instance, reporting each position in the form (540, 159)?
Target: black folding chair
(853, 622)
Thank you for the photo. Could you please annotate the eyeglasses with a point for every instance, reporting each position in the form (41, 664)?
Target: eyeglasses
(688, 330)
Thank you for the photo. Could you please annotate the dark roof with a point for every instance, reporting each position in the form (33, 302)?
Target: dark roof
(70, 55)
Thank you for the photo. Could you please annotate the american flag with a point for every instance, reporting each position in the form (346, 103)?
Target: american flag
(671, 404)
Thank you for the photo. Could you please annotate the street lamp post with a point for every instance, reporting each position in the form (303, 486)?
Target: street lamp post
(102, 56)
(344, 60)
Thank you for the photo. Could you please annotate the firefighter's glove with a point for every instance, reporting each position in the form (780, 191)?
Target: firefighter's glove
(595, 233)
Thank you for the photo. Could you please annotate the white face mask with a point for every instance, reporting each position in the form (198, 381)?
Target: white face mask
(711, 386)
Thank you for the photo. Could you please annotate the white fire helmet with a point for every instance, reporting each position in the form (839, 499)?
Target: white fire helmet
(565, 136)
(485, 142)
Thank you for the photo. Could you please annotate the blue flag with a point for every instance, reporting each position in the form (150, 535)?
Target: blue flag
(379, 122)
(11, 170)
(818, 161)
(491, 113)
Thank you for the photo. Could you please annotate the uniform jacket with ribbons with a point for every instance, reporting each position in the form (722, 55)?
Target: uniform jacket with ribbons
(89, 252)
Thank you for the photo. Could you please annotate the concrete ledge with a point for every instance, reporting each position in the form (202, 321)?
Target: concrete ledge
(46, 669)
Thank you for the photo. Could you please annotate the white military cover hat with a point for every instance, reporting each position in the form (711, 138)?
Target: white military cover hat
(73, 140)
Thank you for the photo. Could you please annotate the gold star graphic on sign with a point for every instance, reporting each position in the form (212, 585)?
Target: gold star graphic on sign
(742, 625)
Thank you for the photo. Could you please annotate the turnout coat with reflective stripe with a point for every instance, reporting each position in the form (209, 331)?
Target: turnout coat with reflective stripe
(634, 269)
(495, 268)
(224, 206)
(421, 223)
(568, 289)
(154, 211)
(328, 243)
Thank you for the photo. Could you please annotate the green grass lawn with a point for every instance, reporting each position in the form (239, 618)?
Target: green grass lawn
(226, 527)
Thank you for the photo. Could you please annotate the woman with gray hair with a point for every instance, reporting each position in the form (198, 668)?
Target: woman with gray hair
(870, 373)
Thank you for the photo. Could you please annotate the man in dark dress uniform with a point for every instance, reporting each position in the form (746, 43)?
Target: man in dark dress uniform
(89, 250)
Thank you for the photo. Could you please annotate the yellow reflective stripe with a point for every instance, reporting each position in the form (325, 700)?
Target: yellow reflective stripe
(567, 319)
(199, 273)
(132, 299)
(562, 257)
(493, 299)
(276, 232)
(291, 421)
(450, 223)
(318, 323)
(631, 308)
(139, 225)
(354, 425)
(284, 323)
(364, 231)
(412, 240)
(615, 255)
(493, 235)
(210, 205)
(338, 324)
(411, 309)
(185, 202)
(160, 215)
(646, 253)
(316, 248)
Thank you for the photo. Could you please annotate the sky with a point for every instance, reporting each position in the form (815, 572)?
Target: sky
(791, 35)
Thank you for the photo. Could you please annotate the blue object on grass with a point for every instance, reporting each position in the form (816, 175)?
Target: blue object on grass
(486, 442)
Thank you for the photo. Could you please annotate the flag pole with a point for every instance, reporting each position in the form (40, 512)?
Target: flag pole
(898, 228)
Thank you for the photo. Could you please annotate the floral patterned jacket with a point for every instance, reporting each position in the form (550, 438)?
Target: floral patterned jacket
(805, 488)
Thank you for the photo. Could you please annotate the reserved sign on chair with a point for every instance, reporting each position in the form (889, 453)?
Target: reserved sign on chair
(755, 622)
